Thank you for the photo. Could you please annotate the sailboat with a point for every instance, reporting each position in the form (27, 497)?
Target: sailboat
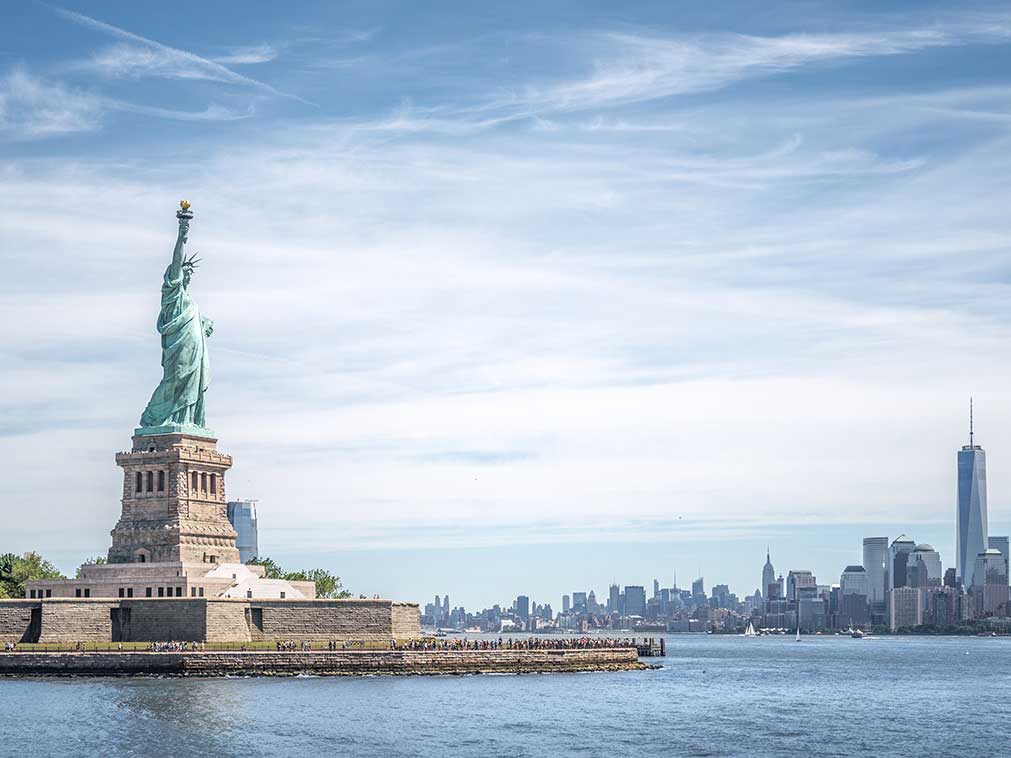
(797, 639)
(750, 631)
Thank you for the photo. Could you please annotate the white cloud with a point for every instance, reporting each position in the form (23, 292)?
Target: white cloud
(30, 107)
(248, 55)
(146, 57)
(530, 333)
(632, 68)
(731, 315)
(35, 108)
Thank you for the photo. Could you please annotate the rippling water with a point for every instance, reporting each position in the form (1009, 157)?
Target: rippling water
(715, 696)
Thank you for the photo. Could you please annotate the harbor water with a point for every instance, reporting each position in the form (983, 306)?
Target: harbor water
(713, 696)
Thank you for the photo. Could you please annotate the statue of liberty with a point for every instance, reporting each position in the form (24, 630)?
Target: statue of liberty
(177, 404)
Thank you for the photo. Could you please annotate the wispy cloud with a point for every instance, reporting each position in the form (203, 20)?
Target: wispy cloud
(212, 112)
(147, 57)
(248, 55)
(34, 108)
(30, 107)
(633, 68)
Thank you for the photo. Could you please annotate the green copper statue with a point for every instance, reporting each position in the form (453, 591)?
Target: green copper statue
(177, 404)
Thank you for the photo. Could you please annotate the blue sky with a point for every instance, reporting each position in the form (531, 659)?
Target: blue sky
(603, 292)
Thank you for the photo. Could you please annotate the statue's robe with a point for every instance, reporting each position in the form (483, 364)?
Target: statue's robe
(179, 398)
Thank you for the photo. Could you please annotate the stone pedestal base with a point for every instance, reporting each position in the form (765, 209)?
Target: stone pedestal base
(174, 506)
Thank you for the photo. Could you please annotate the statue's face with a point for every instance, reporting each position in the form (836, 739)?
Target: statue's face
(187, 275)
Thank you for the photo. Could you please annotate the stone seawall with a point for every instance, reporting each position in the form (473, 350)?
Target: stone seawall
(237, 620)
(339, 663)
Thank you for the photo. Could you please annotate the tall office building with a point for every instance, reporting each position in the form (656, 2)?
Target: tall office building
(579, 602)
(971, 539)
(635, 600)
(699, 587)
(898, 561)
(923, 567)
(242, 516)
(990, 584)
(800, 580)
(1001, 545)
(905, 608)
(854, 581)
(614, 599)
(565, 604)
(522, 607)
(768, 574)
(876, 566)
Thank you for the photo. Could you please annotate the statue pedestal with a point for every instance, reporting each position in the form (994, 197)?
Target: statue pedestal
(190, 429)
(174, 506)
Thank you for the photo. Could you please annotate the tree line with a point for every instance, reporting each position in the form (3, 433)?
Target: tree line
(15, 570)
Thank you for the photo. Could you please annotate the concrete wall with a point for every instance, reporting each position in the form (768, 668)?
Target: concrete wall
(342, 663)
(16, 618)
(228, 621)
(325, 620)
(210, 620)
(406, 621)
(161, 619)
(72, 620)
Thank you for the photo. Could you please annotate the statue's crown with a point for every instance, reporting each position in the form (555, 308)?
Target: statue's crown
(191, 262)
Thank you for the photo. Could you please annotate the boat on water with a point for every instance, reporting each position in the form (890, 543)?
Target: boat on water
(797, 638)
(750, 631)
(856, 634)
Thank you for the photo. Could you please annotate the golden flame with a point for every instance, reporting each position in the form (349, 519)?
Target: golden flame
(184, 204)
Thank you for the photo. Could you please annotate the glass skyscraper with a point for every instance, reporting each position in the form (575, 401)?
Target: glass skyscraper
(242, 515)
(876, 566)
(971, 539)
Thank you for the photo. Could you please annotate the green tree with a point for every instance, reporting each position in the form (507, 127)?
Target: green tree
(98, 560)
(16, 570)
(328, 586)
(7, 562)
(273, 571)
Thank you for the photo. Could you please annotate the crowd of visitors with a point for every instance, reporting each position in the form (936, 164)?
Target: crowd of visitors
(526, 643)
(425, 643)
(173, 647)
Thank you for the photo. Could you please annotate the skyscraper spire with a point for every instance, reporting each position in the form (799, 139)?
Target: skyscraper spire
(970, 421)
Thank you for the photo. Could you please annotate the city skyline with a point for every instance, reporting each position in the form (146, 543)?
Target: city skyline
(886, 561)
(610, 291)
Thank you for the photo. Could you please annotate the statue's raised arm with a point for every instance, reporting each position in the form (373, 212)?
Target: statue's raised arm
(177, 405)
(178, 257)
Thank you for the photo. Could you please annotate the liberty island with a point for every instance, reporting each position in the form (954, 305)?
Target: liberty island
(173, 571)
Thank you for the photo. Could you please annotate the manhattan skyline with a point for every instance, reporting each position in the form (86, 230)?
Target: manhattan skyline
(577, 293)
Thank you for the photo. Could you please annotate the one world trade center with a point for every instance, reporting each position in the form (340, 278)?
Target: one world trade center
(972, 529)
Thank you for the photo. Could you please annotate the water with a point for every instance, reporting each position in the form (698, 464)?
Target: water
(715, 696)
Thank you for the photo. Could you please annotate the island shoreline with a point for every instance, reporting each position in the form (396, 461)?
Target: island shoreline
(318, 663)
